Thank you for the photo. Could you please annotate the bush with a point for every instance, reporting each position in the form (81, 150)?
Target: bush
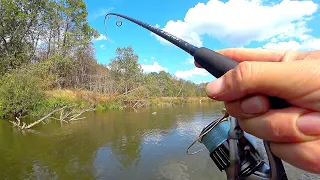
(110, 106)
(47, 105)
(20, 93)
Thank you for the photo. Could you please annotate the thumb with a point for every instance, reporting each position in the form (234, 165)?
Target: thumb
(286, 80)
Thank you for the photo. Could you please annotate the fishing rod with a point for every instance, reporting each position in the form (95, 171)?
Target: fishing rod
(231, 149)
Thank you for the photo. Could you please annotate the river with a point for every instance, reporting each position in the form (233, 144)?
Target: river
(116, 145)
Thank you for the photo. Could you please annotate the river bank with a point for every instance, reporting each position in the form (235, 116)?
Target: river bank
(81, 100)
(117, 102)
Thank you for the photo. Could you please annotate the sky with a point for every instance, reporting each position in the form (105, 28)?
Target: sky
(287, 24)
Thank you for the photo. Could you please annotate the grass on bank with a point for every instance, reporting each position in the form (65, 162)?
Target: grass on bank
(115, 102)
(22, 95)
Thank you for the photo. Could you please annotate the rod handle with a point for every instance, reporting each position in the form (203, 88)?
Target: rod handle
(217, 65)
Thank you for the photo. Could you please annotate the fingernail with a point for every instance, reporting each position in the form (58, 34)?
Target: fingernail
(216, 87)
(309, 124)
(252, 105)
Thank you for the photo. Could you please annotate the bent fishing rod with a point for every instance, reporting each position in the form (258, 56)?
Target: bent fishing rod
(230, 148)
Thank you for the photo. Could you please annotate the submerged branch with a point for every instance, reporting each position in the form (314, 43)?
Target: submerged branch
(45, 117)
(67, 117)
(80, 113)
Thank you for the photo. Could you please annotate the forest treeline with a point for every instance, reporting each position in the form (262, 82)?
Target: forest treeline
(46, 46)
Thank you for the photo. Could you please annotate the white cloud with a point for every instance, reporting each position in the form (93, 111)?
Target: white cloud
(102, 47)
(181, 30)
(190, 73)
(240, 22)
(101, 37)
(190, 60)
(305, 45)
(155, 67)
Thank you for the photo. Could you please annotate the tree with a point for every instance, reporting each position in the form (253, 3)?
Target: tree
(125, 69)
(34, 30)
(18, 32)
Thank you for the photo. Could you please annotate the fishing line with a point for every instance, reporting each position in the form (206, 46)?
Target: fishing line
(209, 130)
(228, 146)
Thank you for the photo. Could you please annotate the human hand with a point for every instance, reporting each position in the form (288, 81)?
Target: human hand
(294, 132)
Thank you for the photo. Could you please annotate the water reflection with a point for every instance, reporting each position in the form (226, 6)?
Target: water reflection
(153, 137)
(154, 146)
(173, 170)
(113, 145)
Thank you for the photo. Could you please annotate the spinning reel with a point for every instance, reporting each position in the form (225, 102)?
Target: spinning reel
(233, 151)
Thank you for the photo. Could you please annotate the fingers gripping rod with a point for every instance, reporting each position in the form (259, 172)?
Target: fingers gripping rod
(217, 65)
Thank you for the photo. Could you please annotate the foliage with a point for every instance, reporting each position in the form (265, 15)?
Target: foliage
(47, 61)
(110, 106)
(34, 30)
(19, 94)
(125, 69)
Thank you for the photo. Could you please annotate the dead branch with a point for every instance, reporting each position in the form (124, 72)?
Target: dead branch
(177, 94)
(130, 91)
(62, 120)
(64, 117)
(77, 119)
(80, 113)
(42, 119)
(28, 126)
(135, 104)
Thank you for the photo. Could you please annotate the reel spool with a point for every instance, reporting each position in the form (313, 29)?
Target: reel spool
(217, 137)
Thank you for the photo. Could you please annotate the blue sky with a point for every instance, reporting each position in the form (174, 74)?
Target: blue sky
(291, 25)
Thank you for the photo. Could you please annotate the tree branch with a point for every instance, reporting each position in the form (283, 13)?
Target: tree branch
(45, 117)
(64, 117)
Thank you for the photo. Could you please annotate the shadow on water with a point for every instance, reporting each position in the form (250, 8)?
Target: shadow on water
(112, 145)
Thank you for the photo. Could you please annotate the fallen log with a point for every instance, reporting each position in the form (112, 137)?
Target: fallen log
(64, 117)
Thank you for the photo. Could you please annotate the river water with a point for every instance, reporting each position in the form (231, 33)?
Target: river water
(116, 145)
